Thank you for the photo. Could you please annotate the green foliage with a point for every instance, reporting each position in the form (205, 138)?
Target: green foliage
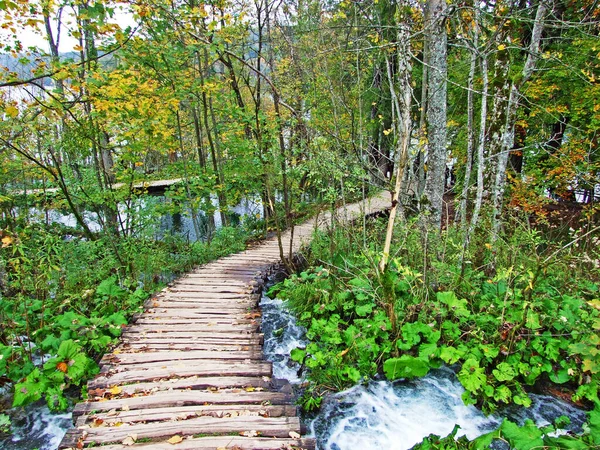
(522, 326)
(71, 366)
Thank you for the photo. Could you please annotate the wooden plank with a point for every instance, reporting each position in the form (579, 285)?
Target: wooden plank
(149, 372)
(197, 345)
(208, 307)
(203, 367)
(184, 398)
(191, 335)
(195, 292)
(187, 412)
(201, 300)
(194, 312)
(207, 326)
(151, 356)
(212, 289)
(225, 442)
(267, 426)
(194, 321)
(194, 382)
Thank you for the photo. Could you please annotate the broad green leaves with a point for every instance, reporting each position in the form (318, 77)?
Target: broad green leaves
(405, 367)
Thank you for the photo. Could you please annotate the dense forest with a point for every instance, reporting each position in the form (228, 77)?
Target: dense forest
(481, 119)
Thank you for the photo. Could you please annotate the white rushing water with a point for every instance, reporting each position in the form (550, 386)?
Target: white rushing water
(36, 427)
(397, 415)
(392, 415)
(282, 335)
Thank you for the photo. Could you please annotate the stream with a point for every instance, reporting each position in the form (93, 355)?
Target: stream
(35, 427)
(393, 415)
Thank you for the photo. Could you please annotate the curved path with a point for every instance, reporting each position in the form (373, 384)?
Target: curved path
(189, 373)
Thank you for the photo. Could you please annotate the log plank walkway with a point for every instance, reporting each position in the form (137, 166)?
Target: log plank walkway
(189, 372)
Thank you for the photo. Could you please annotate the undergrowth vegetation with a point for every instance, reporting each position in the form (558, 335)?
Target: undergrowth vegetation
(525, 312)
(65, 300)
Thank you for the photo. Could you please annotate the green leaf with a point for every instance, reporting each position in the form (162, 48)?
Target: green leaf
(533, 320)
(450, 355)
(594, 424)
(405, 367)
(527, 437)
(364, 310)
(298, 355)
(560, 376)
(109, 288)
(504, 372)
(459, 307)
(471, 376)
(502, 394)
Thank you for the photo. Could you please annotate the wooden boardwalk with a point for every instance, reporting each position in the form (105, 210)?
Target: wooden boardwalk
(189, 372)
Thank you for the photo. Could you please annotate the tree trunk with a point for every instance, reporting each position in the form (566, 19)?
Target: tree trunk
(507, 138)
(436, 114)
(403, 124)
(462, 216)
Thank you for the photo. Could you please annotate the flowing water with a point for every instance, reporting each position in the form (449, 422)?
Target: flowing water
(35, 427)
(392, 415)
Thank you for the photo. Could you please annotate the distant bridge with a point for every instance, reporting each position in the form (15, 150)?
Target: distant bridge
(152, 187)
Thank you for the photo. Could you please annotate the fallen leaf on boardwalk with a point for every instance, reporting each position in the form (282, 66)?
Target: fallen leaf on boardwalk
(294, 435)
(125, 408)
(115, 390)
(97, 423)
(249, 434)
(117, 424)
(249, 389)
(175, 439)
(96, 392)
(233, 414)
(130, 440)
(116, 351)
(111, 413)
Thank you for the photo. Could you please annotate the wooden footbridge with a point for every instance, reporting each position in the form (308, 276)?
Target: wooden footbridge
(189, 373)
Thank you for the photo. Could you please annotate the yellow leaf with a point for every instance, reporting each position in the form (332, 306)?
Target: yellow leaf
(593, 303)
(115, 390)
(11, 111)
(78, 48)
(175, 439)
(6, 241)
(501, 47)
(249, 389)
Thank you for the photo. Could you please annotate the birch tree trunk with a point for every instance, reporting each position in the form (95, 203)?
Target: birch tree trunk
(480, 149)
(436, 113)
(507, 137)
(401, 102)
(464, 199)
